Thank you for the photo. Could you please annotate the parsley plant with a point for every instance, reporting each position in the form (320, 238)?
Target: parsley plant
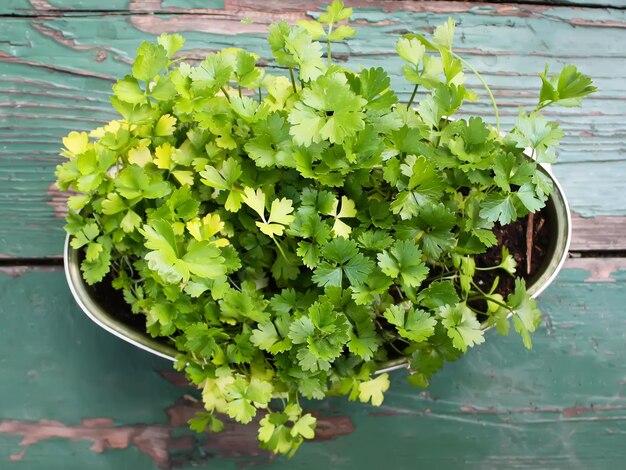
(290, 233)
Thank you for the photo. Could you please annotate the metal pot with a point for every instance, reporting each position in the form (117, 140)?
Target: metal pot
(558, 220)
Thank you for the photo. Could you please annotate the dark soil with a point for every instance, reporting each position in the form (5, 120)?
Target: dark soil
(113, 302)
(513, 237)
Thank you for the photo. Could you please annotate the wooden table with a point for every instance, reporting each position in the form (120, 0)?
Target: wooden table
(74, 397)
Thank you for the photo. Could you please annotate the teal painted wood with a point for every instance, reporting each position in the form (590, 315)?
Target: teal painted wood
(21, 6)
(40, 6)
(561, 405)
(56, 74)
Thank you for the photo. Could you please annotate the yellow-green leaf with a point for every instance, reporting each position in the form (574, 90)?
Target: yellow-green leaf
(280, 211)
(373, 390)
(315, 29)
(76, 142)
(184, 177)
(163, 156)
(255, 200)
(165, 126)
(139, 156)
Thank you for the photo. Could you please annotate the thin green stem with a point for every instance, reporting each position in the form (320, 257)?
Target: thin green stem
(225, 94)
(239, 90)
(540, 106)
(293, 80)
(408, 106)
(280, 249)
(394, 348)
(479, 289)
(482, 80)
(488, 268)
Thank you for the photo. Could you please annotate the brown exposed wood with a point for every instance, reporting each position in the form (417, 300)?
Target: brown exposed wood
(229, 20)
(600, 269)
(156, 6)
(598, 233)
(565, 412)
(102, 433)
(157, 440)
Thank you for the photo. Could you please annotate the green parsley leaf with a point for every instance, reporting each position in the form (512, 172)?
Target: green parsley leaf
(566, 88)
(266, 337)
(373, 390)
(534, 131)
(436, 223)
(527, 316)
(328, 110)
(151, 59)
(225, 179)
(425, 187)
(342, 257)
(416, 325)
(404, 261)
(410, 50)
(305, 426)
(444, 34)
(499, 207)
(128, 90)
(171, 43)
(323, 331)
(365, 343)
(438, 294)
(335, 12)
(211, 75)
(461, 325)
(306, 53)
(271, 145)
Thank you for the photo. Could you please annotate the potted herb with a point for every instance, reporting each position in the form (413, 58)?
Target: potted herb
(297, 234)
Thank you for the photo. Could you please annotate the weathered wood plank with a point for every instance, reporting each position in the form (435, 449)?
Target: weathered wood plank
(38, 7)
(68, 388)
(56, 73)
(601, 233)
(195, 6)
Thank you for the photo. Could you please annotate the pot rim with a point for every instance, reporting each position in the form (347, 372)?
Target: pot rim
(103, 319)
(100, 316)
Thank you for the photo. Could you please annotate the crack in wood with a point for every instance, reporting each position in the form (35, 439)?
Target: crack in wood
(565, 412)
(4, 57)
(40, 7)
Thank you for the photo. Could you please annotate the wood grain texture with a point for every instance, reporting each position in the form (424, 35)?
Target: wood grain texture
(75, 397)
(30, 7)
(601, 233)
(56, 73)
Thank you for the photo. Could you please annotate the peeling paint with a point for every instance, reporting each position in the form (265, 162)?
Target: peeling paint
(564, 412)
(156, 440)
(57, 199)
(598, 233)
(598, 24)
(151, 440)
(600, 269)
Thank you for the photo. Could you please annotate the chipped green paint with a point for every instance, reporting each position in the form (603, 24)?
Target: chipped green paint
(181, 5)
(11, 6)
(56, 73)
(560, 405)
